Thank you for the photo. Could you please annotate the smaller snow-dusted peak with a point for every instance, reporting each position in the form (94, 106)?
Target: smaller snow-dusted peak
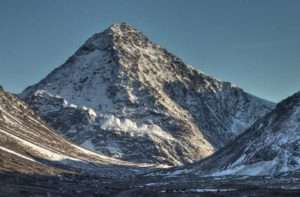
(268, 147)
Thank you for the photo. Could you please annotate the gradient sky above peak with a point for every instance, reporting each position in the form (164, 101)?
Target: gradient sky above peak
(254, 44)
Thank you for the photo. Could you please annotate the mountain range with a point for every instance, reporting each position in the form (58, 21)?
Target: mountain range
(122, 109)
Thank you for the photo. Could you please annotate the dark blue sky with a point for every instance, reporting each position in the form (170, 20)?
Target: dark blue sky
(253, 43)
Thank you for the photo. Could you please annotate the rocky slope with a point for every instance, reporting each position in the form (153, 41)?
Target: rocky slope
(124, 96)
(27, 145)
(269, 147)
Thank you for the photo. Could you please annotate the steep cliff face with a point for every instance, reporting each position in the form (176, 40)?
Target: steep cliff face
(124, 96)
(269, 147)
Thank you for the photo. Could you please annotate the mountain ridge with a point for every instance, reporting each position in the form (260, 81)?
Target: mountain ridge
(28, 145)
(268, 148)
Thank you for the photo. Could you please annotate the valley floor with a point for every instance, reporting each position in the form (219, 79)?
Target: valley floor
(20, 185)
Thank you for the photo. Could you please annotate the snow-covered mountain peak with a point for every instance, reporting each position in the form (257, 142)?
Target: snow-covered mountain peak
(120, 91)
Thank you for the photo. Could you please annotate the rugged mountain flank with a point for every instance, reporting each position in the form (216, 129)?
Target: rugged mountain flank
(27, 145)
(269, 147)
(124, 96)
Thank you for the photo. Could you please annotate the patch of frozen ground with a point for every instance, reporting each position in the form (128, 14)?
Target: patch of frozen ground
(204, 190)
(211, 190)
(156, 184)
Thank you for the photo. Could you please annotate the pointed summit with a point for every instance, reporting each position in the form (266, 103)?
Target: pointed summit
(122, 95)
(119, 33)
(122, 27)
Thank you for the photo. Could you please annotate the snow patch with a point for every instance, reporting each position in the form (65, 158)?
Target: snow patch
(134, 129)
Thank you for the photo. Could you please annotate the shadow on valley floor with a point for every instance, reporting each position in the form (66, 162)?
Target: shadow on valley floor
(65, 185)
(68, 185)
(93, 168)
